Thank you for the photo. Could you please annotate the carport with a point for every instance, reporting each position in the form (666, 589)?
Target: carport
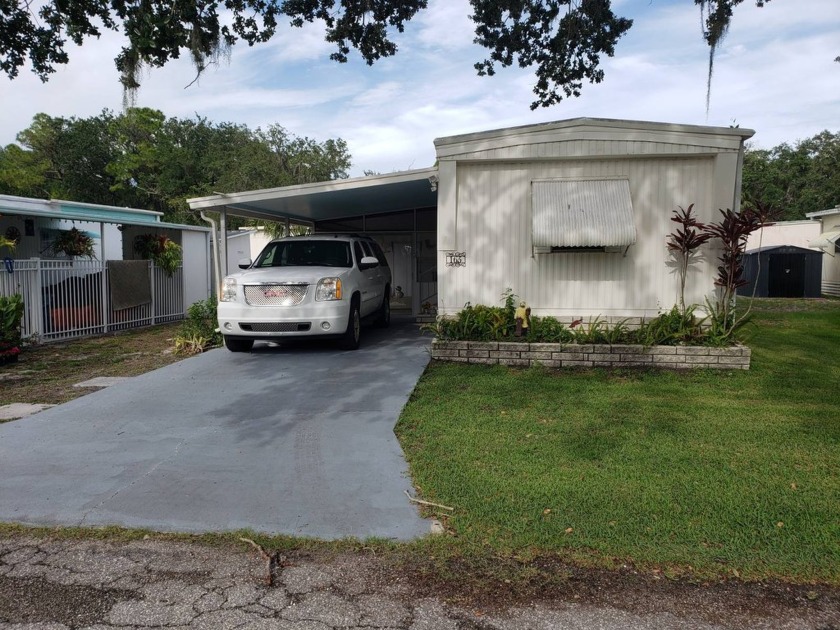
(398, 209)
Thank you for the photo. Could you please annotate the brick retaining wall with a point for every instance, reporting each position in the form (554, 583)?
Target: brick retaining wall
(591, 355)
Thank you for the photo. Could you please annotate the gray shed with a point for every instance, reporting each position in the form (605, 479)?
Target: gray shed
(782, 271)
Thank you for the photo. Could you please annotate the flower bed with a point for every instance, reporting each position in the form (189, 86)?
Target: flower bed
(591, 355)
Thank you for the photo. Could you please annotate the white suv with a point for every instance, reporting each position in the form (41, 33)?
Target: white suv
(321, 285)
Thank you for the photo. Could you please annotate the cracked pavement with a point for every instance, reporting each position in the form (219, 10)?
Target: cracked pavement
(50, 584)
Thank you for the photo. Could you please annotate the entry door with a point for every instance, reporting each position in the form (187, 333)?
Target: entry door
(787, 275)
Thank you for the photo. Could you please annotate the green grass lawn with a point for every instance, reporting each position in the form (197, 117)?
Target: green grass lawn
(705, 473)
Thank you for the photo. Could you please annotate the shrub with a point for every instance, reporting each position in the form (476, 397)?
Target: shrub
(673, 327)
(199, 330)
(11, 313)
(549, 330)
(478, 323)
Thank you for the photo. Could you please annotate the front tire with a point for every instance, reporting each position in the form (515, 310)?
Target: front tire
(383, 318)
(353, 334)
(239, 345)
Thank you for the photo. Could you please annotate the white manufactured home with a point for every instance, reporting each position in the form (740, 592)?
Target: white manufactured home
(792, 233)
(572, 216)
(829, 242)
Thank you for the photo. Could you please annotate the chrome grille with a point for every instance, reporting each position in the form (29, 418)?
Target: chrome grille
(275, 294)
(270, 327)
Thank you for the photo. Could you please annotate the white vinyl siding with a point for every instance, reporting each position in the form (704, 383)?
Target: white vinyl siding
(831, 259)
(493, 229)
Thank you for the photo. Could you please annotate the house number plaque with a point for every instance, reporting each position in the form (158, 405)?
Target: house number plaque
(456, 259)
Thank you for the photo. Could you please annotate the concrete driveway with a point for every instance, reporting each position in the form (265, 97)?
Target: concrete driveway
(294, 440)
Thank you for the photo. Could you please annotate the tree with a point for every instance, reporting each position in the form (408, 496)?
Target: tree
(142, 159)
(563, 40)
(796, 179)
(67, 157)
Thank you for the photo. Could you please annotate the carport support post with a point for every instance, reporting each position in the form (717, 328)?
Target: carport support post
(223, 256)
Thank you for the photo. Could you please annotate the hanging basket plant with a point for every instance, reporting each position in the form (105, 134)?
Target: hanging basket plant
(7, 244)
(71, 242)
(160, 249)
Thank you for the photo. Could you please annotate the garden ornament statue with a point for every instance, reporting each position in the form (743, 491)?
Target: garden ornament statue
(523, 319)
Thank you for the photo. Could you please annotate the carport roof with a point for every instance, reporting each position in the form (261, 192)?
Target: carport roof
(306, 203)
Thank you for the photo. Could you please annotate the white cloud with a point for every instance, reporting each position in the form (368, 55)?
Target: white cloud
(445, 26)
(378, 95)
(291, 44)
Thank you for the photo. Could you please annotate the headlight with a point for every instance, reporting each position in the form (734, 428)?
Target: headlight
(328, 289)
(228, 290)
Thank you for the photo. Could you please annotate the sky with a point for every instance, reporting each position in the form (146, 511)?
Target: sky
(775, 73)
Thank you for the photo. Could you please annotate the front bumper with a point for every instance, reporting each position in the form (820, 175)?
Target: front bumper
(314, 319)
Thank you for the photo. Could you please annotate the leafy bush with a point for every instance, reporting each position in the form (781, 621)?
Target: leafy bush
(199, 329)
(674, 327)
(478, 323)
(594, 331)
(11, 313)
(549, 330)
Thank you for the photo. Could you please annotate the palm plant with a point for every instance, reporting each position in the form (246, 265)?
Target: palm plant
(684, 242)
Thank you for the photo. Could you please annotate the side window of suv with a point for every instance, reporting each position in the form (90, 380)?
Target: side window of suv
(380, 255)
(357, 249)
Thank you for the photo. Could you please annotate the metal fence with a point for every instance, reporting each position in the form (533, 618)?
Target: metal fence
(65, 299)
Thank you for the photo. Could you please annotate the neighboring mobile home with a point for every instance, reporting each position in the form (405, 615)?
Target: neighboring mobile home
(71, 296)
(244, 243)
(829, 242)
(793, 233)
(573, 216)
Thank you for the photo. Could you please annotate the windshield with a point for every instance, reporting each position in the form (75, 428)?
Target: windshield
(306, 253)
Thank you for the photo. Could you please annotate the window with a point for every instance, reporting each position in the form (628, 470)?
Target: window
(357, 247)
(380, 255)
(582, 215)
(305, 253)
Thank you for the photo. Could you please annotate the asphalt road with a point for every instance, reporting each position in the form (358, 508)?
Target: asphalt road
(53, 584)
(293, 440)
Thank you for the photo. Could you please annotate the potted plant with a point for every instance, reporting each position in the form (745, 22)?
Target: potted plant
(72, 242)
(160, 249)
(11, 313)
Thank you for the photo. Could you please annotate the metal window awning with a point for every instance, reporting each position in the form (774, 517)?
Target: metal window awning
(826, 241)
(582, 213)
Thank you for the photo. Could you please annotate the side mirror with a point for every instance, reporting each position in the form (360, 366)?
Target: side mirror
(369, 261)
(244, 263)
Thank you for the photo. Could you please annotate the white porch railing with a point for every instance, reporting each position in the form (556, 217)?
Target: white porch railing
(65, 299)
